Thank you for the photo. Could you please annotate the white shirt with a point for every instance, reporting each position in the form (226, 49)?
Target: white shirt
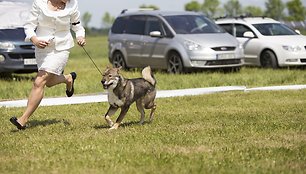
(46, 24)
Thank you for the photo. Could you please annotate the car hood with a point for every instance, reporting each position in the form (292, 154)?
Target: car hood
(287, 40)
(211, 40)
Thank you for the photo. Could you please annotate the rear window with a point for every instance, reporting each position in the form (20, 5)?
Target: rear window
(15, 34)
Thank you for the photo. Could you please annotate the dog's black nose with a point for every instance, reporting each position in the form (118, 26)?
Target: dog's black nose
(102, 81)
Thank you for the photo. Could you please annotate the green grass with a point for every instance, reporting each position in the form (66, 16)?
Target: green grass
(232, 132)
(89, 78)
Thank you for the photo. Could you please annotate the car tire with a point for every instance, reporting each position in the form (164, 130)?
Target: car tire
(268, 59)
(231, 69)
(175, 64)
(5, 75)
(118, 60)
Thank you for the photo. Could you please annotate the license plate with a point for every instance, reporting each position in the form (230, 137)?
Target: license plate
(226, 56)
(30, 62)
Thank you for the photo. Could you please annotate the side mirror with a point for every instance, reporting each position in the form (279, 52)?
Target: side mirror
(298, 32)
(248, 34)
(155, 34)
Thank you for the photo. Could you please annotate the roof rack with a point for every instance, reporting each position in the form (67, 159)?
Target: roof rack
(248, 15)
(137, 9)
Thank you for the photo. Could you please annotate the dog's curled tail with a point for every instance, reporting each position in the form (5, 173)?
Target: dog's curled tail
(148, 75)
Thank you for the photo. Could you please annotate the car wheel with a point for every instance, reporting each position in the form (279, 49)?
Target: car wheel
(268, 59)
(175, 64)
(118, 60)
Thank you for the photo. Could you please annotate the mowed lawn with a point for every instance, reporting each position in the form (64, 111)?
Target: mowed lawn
(230, 132)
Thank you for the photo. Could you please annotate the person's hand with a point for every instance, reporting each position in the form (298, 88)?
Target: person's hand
(39, 43)
(81, 41)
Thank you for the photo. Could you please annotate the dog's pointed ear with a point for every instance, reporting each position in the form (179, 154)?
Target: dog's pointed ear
(119, 68)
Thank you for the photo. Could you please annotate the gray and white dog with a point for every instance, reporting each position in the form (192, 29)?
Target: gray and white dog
(123, 92)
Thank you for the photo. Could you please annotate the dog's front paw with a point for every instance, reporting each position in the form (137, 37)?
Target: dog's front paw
(109, 121)
(115, 126)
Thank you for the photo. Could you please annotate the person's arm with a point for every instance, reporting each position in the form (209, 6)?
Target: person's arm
(77, 27)
(30, 26)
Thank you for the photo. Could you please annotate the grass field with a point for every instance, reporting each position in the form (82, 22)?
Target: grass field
(232, 132)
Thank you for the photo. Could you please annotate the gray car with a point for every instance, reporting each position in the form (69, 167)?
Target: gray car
(174, 41)
(16, 55)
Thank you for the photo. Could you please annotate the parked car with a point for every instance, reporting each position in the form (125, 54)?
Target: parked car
(16, 56)
(174, 41)
(267, 42)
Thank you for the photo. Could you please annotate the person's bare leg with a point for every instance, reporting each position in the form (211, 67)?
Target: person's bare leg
(35, 96)
(55, 80)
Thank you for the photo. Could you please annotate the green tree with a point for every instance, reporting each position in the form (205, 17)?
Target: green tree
(149, 6)
(253, 10)
(233, 8)
(275, 9)
(193, 6)
(210, 7)
(296, 10)
(107, 20)
(86, 19)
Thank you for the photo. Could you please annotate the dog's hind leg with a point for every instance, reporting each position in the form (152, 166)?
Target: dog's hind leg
(141, 110)
(111, 111)
(150, 104)
(152, 112)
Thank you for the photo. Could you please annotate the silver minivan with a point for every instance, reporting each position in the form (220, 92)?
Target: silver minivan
(174, 41)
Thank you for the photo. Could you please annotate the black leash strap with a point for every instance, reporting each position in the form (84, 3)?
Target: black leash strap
(92, 60)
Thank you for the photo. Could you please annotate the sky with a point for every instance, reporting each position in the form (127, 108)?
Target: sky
(97, 8)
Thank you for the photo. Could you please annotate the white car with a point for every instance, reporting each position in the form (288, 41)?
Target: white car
(267, 42)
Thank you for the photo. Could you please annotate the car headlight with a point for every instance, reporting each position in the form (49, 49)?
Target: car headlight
(191, 46)
(6, 45)
(2, 58)
(292, 48)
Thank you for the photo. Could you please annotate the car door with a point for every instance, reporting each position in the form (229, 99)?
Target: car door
(133, 40)
(251, 45)
(154, 48)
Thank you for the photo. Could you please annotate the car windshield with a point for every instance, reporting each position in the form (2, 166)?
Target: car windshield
(192, 24)
(274, 29)
(12, 34)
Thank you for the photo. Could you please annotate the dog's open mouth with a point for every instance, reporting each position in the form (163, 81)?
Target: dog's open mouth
(106, 86)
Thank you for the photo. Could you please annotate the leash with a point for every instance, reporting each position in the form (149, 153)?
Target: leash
(92, 60)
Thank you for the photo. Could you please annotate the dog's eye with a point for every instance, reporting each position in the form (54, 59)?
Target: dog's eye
(109, 75)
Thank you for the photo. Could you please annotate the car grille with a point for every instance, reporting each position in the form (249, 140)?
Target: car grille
(27, 47)
(223, 62)
(223, 48)
(22, 56)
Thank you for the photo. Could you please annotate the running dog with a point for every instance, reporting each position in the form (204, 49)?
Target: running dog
(123, 92)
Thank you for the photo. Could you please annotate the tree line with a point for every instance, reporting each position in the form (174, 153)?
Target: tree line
(293, 10)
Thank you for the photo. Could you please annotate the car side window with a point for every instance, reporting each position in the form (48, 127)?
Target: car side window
(227, 27)
(236, 30)
(241, 29)
(136, 25)
(153, 24)
(119, 25)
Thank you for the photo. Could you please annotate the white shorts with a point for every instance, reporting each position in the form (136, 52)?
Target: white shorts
(51, 60)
